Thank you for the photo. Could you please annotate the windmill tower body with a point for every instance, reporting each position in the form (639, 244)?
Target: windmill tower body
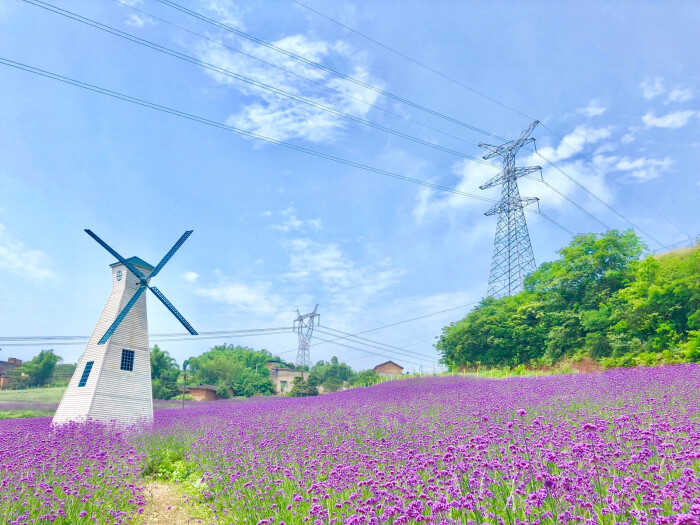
(117, 385)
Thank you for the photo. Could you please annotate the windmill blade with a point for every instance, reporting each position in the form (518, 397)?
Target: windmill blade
(122, 315)
(121, 259)
(171, 253)
(174, 311)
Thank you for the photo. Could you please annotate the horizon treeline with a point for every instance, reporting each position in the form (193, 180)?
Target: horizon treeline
(600, 299)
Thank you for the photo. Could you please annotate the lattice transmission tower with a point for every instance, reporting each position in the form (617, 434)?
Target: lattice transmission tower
(512, 258)
(304, 326)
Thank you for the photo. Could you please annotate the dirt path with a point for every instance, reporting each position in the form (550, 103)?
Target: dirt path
(165, 505)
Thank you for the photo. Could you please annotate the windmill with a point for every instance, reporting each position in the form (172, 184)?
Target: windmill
(112, 381)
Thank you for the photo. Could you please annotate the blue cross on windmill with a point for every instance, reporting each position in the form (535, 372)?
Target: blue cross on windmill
(143, 284)
(112, 381)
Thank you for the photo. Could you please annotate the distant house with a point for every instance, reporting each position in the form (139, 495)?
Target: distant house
(201, 392)
(283, 377)
(388, 369)
(6, 368)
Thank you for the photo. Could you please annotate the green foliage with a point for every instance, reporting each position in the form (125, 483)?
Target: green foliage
(599, 300)
(365, 377)
(62, 373)
(334, 371)
(332, 384)
(36, 372)
(303, 388)
(239, 368)
(164, 373)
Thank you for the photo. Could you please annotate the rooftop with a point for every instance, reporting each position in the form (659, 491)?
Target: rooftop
(136, 261)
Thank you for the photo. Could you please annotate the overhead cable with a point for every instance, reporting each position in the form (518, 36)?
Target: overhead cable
(247, 80)
(317, 65)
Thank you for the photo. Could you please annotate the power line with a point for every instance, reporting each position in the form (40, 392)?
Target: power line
(484, 95)
(289, 72)
(362, 350)
(377, 344)
(598, 168)
(176, 54)
(321, 106)
(317, 65)
(243, 78)
(226, 127)
(397, 351)
(567, 199)
(424, 66)
(159, 336)
(599, 199)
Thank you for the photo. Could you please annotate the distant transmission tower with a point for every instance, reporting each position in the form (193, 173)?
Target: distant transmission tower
(512, 257)
(304, 326)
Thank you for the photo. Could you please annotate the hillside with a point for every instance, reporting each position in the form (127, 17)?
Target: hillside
(601, 300)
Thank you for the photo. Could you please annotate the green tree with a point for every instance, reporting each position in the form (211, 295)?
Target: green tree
(322, 372)
(239, 368)
(365, 377)
(39, 370)
(164, 374)
(598, 299)
(302, 388)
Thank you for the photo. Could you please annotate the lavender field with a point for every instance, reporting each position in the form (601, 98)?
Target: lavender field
(616, 447)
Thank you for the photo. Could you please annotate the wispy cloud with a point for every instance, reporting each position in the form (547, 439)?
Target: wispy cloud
(433, 203)
(190, 277)
(251, 298)
(652, 88)
(226, 11)
(593, 109)
(677, 119)
(349, 284)
(138, 21)
(680, 94)
(575, 141)
(290, 221)
(17, 258)
(280, 117)
(643, 168)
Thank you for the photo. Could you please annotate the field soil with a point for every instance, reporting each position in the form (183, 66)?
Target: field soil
(164, 505)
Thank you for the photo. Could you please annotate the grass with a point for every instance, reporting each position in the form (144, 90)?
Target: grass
(33, 395)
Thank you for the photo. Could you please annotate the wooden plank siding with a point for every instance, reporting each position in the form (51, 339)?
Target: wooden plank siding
(111, 393)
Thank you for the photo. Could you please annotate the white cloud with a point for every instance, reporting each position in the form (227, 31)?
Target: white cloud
(190, 276)
(256, 298)
(431, 203)
(593, 109)
(574, 142)
(652, 88)
(349, 283)
(290, 221)
(226, 12)
(137, 21)
(680, 95)
(21, 260)
(643, 168)
(280, 117)
(677, 119)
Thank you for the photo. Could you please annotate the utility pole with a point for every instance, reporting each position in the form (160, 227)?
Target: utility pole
(512, 258)
(304, 326)
(184, 383)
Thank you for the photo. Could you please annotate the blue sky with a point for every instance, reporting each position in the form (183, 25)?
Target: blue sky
(276, 230)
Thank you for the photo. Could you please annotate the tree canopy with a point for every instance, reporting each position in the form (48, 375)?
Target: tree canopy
(236, 367)
(164, 374)
(599, 300)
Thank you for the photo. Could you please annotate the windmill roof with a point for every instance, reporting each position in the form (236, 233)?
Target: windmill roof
(136, 261)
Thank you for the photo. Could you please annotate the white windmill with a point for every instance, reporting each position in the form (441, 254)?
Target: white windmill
(112, 381)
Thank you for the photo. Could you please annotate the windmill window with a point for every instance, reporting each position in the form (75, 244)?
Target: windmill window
(86, 373)
(127, 360)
